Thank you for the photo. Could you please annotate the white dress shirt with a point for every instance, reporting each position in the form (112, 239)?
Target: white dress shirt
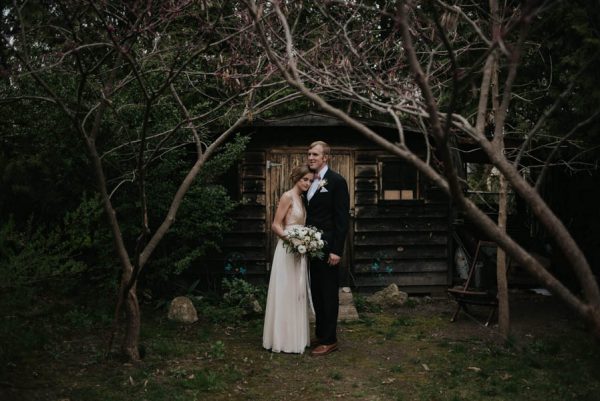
(315, 184)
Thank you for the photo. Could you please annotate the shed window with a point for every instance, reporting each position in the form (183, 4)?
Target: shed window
(399, 180)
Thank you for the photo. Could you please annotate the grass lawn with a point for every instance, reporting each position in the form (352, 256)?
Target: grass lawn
(409, 353)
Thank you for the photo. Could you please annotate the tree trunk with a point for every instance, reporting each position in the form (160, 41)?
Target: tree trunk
(131, 337)
(502, 281)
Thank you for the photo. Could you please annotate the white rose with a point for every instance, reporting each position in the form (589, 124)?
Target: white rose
(301, 249)
(321, 243)
(318, 235)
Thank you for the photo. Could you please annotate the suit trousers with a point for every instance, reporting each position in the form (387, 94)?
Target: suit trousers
(324, 287)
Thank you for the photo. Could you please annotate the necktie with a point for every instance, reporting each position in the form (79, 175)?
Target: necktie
(314, 186)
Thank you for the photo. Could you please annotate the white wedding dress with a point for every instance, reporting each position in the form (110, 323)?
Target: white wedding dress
(286, 326)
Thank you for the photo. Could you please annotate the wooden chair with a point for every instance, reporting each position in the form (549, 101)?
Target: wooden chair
(467, 295)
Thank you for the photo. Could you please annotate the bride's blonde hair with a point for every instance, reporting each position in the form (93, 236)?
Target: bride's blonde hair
(298, 172)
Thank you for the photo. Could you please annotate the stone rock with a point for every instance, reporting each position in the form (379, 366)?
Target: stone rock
(182, 310)
(346, 312)
(345, 296)
(255, 306)
(389, 296)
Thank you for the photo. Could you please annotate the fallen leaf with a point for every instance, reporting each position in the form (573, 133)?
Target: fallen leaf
(425, 367)
(388, 380)
(474, 368)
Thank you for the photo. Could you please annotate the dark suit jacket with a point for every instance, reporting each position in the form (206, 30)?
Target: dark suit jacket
(328, 210)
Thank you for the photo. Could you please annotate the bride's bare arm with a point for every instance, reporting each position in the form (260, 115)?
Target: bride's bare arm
(278, 221)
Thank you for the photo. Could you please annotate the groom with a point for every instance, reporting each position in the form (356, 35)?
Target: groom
(328, 210)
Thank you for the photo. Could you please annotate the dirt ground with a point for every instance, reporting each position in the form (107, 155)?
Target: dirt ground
(407, 353)
(530, 315)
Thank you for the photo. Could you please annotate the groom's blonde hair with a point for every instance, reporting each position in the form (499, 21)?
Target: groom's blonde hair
(324, 145)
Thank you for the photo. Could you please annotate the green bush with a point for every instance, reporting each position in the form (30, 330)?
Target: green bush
(363, 305)
(203, 219)
(37, 257)
(41, 265)
(73, 257)
(240, 293)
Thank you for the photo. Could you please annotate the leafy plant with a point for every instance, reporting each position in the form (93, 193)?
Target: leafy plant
(241, 294)
(37, 255)
(217, 350)
(363, 305)
(60, 257)
(336, 375)
(203, 219)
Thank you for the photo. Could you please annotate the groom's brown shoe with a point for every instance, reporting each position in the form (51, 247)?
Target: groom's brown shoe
(321, 350)
(314, 342)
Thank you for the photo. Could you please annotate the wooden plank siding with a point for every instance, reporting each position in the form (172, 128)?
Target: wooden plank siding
(406, 242)
(402, 242)
(247, 242)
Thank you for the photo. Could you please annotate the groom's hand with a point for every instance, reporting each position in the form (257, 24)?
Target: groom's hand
(333, 259)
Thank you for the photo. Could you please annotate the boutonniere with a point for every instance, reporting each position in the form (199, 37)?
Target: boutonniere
(322, 183)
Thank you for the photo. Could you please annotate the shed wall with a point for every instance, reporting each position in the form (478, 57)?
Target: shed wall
(402, 242)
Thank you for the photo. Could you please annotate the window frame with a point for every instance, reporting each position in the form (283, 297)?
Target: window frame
(418, 193)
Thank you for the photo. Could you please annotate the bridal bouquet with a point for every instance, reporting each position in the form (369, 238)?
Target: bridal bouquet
(304, 240)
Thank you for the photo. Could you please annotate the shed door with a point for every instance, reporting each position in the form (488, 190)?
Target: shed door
(279, 164)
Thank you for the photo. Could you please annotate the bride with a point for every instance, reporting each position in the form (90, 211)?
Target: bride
(286, 327)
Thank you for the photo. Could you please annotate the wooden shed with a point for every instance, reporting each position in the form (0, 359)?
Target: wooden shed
(400, 228)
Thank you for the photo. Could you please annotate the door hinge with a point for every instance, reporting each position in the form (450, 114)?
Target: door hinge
(272, 164)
